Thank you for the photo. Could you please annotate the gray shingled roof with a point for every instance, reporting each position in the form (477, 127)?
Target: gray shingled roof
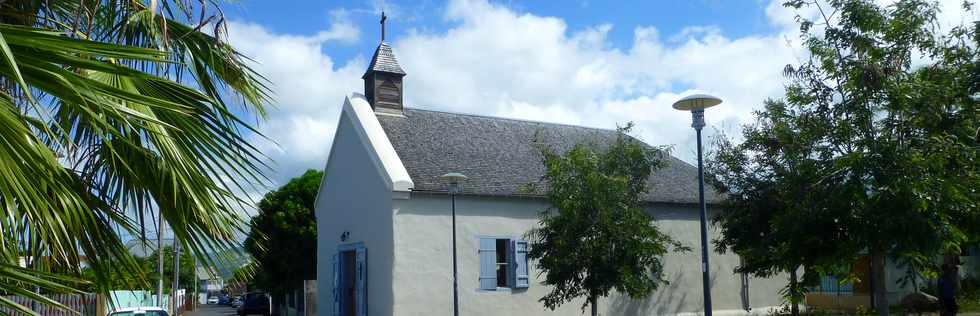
(498, 157)
(384, 60)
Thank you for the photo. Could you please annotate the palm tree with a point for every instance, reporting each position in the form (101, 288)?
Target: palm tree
(110, 110)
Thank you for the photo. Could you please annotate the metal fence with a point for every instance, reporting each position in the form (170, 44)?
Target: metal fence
(83, 304)
(831, 285)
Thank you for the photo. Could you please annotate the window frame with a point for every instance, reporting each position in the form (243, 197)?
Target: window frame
(509, 257)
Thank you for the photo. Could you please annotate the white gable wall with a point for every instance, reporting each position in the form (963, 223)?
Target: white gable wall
(423, 256)
(361, 177)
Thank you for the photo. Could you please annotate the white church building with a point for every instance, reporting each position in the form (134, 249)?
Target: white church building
(384, 223)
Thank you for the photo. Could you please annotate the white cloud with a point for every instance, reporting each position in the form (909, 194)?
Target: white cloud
(341, 28)
(497, 61)
(308, 88)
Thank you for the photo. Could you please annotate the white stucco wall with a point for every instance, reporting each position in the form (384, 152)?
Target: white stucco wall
(355, 197)
(423, 263)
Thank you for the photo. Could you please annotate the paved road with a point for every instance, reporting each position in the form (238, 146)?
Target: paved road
(212, 310)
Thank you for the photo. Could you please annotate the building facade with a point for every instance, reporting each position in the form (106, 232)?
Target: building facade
(385, 230)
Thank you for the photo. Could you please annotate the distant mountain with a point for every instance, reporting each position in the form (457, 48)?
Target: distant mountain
(230, 260)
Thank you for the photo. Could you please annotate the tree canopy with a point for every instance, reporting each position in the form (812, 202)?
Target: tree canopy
(283, 237)
(148, 267)
(874, 146)
(598, 236)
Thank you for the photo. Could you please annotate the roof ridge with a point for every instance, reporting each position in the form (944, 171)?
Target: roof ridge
(507, 118)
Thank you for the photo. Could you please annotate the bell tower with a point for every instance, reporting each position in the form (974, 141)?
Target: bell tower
(383, 86)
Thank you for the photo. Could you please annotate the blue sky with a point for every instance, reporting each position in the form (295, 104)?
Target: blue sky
(306, 17)
(590, 63)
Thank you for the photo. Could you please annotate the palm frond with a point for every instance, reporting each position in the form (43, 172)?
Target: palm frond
(99, 126)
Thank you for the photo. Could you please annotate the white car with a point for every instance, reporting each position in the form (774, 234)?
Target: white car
(213, 300)
(139, 311)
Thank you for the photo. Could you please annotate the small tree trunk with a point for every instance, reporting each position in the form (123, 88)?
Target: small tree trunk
(881, 296)
(593, 299)
(794, 293)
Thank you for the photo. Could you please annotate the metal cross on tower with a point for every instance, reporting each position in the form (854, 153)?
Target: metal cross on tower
(383, 18)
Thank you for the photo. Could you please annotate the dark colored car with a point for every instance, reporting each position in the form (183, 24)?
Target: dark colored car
(224, 299)
(255, 303)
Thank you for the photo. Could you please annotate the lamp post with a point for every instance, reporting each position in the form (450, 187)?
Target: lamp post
(696, 104)
(455, 180)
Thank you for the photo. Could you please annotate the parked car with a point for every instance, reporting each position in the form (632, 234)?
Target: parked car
(255, 303)
(237, 302)
(213, 300)
(224, 299)
(139, 311)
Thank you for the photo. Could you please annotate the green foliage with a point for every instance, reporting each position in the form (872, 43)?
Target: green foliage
(148, 275)
(283, 237)
(598, 236)
(771, 218)
(869, 152)
(245, 273)
(111, 110)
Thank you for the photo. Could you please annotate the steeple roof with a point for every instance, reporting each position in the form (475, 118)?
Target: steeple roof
(384, 61)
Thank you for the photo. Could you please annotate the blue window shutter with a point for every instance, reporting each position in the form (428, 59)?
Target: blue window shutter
(519, 264)
(361, 268)
(488, 263)
(511, 266)
(336, 285)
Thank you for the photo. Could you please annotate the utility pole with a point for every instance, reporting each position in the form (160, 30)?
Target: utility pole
(196, 281)
(160, 259)
(176, 287)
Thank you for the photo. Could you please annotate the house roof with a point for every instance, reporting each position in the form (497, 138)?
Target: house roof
(499, 156)
(384, 60)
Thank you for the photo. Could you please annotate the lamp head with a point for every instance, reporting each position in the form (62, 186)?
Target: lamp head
(455, 180)
(454, 177)
(696, 102)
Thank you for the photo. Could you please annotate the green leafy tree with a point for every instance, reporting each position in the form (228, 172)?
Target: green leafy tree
(771, 217)
(110, 110)
(187, 269)
(882, 151)
(598, 236)
(283, 237)
(148, 266)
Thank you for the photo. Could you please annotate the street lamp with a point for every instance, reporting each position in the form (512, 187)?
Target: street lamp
(455, 180)
(696, 104)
